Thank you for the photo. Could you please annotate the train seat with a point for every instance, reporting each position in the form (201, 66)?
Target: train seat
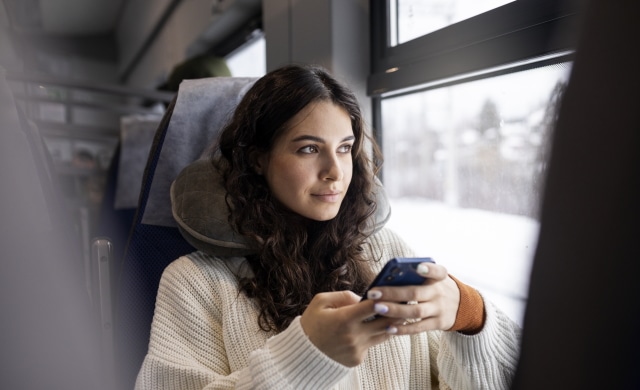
(189, 125)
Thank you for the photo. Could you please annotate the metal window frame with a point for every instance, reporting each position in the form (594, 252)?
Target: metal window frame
(515, 32)
(520, 35)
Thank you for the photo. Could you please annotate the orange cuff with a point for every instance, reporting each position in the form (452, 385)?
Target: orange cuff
(470, 316)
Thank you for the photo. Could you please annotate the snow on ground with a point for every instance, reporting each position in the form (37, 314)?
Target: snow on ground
(489, 251)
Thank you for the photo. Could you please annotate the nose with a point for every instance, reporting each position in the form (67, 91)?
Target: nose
(332, 169)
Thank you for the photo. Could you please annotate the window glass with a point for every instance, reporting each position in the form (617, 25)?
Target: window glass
(410, 19)
(250, 60)
(464, 167)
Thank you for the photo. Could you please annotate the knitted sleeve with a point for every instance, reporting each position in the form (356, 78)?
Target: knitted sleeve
(188, 346)
(485, 360)
(470, 316)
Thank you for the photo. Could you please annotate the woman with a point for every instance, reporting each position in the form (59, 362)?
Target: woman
(300, 187)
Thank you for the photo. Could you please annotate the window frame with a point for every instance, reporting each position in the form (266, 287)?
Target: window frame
(513, 33)
(518, 36)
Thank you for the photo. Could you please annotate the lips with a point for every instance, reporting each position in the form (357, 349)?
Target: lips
(330, 196)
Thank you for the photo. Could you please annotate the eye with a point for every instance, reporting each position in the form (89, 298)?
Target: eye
(345, 148)
(308, 149)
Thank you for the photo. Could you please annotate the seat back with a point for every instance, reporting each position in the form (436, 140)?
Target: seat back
(188, 127)
(123, 181)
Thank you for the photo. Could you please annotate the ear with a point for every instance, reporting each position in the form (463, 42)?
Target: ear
(258, 161)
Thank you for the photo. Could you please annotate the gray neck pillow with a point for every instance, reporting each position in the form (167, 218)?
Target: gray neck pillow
(199, 208)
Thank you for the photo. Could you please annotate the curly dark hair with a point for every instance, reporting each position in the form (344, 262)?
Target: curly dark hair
(296, 257)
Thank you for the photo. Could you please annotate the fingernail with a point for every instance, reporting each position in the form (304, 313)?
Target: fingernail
(422, 269)
(374, 294)
(392, 330)
(380, 308)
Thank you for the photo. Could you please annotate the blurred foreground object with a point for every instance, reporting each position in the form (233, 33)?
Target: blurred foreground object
(582, 322)
(48, 335)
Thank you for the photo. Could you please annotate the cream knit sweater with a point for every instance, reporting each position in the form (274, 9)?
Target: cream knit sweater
(205, 335)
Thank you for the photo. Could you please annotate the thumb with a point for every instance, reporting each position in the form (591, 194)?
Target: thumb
(337, 299)
(355, 307)
(349, 304)
(433, 271)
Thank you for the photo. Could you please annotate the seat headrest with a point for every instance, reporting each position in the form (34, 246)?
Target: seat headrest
(136, 137)
(200, 210)
(202, 107)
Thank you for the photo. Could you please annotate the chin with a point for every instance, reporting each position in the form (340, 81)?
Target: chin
(322, 217)
(318, 213)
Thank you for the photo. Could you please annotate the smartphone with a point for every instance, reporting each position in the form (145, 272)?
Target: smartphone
(399, 271)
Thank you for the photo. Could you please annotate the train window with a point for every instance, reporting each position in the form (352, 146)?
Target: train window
(463, 169)
(463, 103)
(409, 19)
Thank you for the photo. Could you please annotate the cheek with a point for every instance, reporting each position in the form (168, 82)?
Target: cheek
(287, 176)
(348, 173)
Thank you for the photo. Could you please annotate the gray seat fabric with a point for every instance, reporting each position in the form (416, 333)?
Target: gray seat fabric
(202, 107)
(190, 123)
(136, 137)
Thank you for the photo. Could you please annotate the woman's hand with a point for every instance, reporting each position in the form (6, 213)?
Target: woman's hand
(433, 305)
(334, 322)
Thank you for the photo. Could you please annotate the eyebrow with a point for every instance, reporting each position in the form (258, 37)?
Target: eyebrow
(320, 140)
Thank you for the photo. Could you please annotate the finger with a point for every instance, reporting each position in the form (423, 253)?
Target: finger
(349, 305)
(410, 327)
(403, 294)
(382, 326)
(432, 271)
(381, 338)
(368, 311)
(419, 310)
(336, 299)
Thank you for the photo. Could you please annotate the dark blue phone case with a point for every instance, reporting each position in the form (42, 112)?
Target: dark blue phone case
(400, 271)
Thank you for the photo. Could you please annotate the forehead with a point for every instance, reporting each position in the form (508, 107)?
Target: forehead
(320, 118)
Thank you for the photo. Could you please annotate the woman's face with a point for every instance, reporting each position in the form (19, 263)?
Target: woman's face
(309, 167)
